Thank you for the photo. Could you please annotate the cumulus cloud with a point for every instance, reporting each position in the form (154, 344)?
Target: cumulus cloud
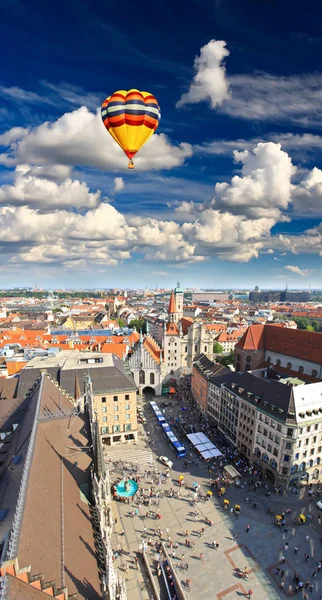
(298, 271)
(35, 186)
(210, 82)
(264, 187)
(78, 138)
(118, 184)
(307, 195)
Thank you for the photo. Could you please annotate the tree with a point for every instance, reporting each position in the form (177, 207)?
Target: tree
(121, 323)
(138, 324)
(228, 359)
(217, 348)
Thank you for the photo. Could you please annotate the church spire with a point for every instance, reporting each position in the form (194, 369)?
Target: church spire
(141, 337)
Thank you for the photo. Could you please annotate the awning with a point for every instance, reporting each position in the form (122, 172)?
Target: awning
(231, 472)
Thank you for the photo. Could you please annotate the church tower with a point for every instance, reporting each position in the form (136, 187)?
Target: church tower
(172, 310)
(178, 294)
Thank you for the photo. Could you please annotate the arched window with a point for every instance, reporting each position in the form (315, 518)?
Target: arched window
(265, 457)
(314, 373)
(257, 452)
(141, 376)
(278, 362)
(289, 365)
(311, 463)
(301, 369)
(318, 460)
(273, 463)
(302, 466)
(152, 378)
(294, 469)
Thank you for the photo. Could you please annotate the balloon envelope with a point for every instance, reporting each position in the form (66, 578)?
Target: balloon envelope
(131, 117)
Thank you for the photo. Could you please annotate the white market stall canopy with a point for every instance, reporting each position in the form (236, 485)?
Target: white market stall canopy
(203, 444)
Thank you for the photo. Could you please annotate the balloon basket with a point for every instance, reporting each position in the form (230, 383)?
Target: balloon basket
(130, 165)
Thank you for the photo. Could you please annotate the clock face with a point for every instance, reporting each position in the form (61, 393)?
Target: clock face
(172, 340)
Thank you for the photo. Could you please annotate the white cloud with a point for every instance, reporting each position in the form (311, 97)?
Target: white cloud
(160, 273)
(35, 187)
(307, 195)
(210, 82)
(118, 184)
(298, 271)
(264, 187)
(79, 138)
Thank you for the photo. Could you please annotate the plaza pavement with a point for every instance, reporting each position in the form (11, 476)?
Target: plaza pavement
(217, 577)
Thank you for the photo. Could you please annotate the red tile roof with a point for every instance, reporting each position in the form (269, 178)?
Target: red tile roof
(172, 329)
(153, 348)
(299, 343)
(172, 305)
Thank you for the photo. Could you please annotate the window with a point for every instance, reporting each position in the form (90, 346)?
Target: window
(289, 365)
(290, 432)
(275, 452)
(104, 430)
(314, 439)
(127, 396)
(313, 450)
(286, 458)
(301, 430)
(104, 399)
(284, 471)
(152, 378)
(104, 409)
(299, 444)
(314, 373)
(307, 441)
(205, 350)
(308, 429)
(127, 407)
(288, 445)
(116, 408)
(301, 369)
(104, 419)
(116, 418)
(297, 456)
(316, 427)
(128, 427)
(141, 377)
(116, 428)
(127, 416)
(115, 398)
(304, 454)
(279, 427)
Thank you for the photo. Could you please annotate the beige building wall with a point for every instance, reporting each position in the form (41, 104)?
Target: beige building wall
(117, 416)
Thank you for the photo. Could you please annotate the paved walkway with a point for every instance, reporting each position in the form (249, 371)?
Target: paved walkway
(218, 574)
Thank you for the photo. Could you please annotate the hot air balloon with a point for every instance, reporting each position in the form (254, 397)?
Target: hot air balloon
(131, 118)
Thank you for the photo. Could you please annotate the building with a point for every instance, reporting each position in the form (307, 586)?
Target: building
(295, 351)
(113, 387)
(208, 297)
(146, 365)
(202, 371)
(274, 421)
(286, 295)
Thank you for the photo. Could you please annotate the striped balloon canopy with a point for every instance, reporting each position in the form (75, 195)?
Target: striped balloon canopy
(131, 118)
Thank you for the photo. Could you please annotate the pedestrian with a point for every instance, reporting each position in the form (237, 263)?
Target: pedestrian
(247, 528)
(314, 574)
(283, 559)
(214, 544)
(126, 568)
(116, 520)
(306, 556)
(249, 594)
(182, 556)
(202, 556)
(187, 533)
(282, 584)
(159, 572)
(136, 562)
(296, 549)
(277, 570)
(307, 537)
(290, 589)
(282, 574)
(286, 546)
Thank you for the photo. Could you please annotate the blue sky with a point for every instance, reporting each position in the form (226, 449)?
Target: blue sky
(228, 191)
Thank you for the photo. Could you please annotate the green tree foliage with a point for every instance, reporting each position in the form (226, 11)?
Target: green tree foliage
(121, 323)
(217, 348)
(227, 360)
(139, 324)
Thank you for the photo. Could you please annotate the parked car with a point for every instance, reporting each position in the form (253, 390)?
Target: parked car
(166, 461)
(319, 504)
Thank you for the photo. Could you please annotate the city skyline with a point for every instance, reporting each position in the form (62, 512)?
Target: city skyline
(229, 188)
